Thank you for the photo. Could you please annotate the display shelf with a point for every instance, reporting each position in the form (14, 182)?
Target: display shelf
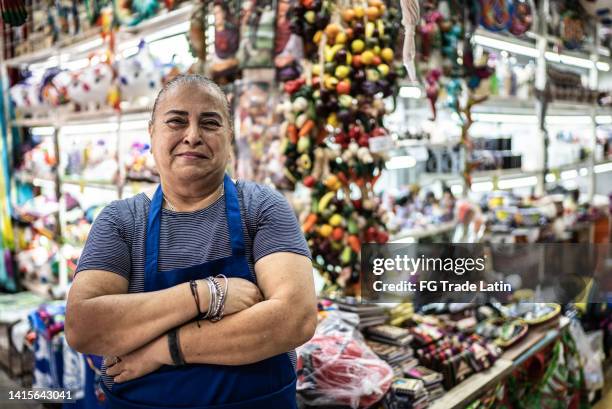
(91, 183)
(73, 118)
(469, 390)
(89, 41)
(429, 231)
(23, 177)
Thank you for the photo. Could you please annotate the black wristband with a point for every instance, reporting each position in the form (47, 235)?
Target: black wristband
(175, 347)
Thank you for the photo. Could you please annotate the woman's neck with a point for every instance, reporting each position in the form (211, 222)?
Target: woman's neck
(188, 199)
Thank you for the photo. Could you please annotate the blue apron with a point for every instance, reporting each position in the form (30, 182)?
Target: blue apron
(267, 384)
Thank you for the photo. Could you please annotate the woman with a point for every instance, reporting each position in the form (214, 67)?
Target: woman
(146, 276)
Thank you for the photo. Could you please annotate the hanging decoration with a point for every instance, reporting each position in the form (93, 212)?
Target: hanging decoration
(336, 142)
(14, 12)
(225, 65)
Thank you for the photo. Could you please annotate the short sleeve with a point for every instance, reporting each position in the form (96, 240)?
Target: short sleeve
(277, 228)
(106, 247)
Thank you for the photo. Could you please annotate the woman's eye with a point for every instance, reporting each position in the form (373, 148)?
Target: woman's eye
(210, 124)
(175, 121)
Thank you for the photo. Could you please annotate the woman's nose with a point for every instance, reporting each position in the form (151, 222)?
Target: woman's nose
(193, 136)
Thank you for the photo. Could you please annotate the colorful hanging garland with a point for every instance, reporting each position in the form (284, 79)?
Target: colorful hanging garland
(335, 136)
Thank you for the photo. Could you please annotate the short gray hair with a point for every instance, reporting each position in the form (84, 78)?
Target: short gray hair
(184, 79)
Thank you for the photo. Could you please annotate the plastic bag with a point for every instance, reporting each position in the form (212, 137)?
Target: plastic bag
(591, 355)
(336, 367)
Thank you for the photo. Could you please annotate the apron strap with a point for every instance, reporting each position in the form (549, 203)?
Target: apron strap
(152, 237)
(234, 219)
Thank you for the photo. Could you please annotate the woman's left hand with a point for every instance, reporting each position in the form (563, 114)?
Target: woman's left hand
(138, 363)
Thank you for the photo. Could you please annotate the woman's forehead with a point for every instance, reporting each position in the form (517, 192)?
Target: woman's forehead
(193, 95)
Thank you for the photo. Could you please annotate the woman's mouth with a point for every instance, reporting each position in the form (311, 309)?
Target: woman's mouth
(193, 155)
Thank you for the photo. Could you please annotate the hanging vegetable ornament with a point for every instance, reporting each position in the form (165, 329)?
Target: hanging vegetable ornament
(334, 121)
(410, 18)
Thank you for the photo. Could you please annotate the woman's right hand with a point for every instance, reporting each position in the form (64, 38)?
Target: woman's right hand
(240, 295)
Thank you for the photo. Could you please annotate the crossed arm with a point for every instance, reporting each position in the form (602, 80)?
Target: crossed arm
(103, 319)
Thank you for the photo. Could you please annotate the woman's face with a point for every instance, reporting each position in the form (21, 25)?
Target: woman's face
(191, 133)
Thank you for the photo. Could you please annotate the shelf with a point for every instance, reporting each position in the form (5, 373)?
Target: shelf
(23, 177)
(73, 118)
(420, 233)
(99, 184)
(91, 40)
(473, 387)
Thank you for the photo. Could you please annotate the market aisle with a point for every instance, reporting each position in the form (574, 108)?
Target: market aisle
(6, 382)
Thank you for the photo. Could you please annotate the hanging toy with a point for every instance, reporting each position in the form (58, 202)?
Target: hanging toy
(197, 39)
(139, 76)
(14, 12)
(430, 33)
(522, 17)
(572, 30)
(496, 14)
(432, 90)
(227, 40)
(410, 19)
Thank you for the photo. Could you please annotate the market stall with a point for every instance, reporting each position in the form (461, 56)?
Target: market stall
(407, 122)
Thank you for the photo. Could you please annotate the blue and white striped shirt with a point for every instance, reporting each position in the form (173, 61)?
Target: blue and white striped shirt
(116, 242)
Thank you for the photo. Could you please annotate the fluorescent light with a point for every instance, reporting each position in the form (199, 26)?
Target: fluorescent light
(49, 63)
(401, 162)
(550, 178)
(128, 52)
(90, 128)
(531, 51)
(569, 174)
(569, 120)
(43, 130)
(171, 31)
(602, 168)
(583, 171)
(482, 187)
(505, 118)
(89, 45)
(603, 119)
(568, 60)
(410, 92)
(135, 125)
(506, 46)
(517, 182)
(456, 189)
(76, 64)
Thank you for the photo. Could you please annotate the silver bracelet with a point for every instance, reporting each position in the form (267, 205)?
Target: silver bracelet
(219, 316)
(214, 318)
(211, 299)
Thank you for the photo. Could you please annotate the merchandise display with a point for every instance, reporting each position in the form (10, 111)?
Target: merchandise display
(414, 125)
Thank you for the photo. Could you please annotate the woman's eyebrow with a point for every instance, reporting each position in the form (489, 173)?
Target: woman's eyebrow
(176, 112)
(211, 114)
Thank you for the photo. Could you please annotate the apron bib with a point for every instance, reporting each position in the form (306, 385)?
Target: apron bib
(266, 384)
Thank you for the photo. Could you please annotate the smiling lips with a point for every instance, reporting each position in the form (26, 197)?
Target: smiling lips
(193, 155)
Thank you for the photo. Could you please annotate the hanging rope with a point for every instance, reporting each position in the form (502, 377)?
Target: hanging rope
(410, 19)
